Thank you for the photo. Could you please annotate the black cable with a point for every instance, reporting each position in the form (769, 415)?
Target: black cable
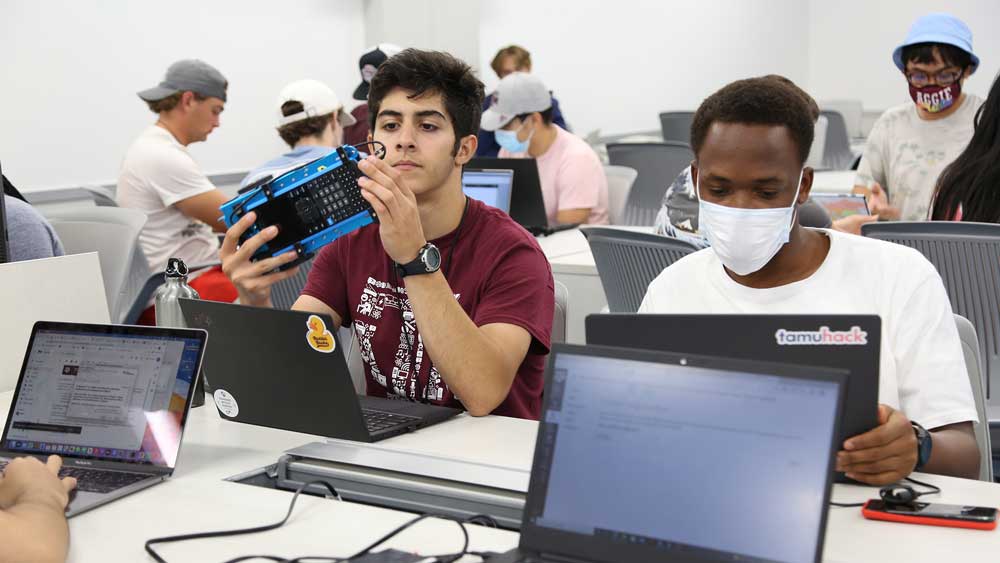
(934, 489)
(238, 532)
(379, 152)
(483, 519)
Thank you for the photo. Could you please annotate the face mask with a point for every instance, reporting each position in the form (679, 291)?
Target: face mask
(745, 240)
(936, 98)
(509, 142)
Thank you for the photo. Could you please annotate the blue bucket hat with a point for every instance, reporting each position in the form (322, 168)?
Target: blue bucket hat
(937, 28)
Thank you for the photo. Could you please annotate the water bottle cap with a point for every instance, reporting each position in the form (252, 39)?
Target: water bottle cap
(176, 268)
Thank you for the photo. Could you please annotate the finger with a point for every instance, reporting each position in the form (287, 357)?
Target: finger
(382, 173)
(381, 210)
(265, 281)
(391, 199)
(892, 426)
(262, 267)
(54, 463)
(897, 463)
(253, 244)
(233, 234)
(69, 483)
(383, 168)
(876, 479)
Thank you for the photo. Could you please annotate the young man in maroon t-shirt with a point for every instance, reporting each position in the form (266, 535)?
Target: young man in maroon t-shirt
(451, 300)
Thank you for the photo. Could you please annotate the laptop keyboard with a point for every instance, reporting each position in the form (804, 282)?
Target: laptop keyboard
(97, 480)
(377, 421)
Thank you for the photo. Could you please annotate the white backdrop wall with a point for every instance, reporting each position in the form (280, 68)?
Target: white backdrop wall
(615, 65)
(71, 70)
(851, 43)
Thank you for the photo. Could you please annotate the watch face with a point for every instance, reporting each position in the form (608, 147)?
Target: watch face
(432, 258)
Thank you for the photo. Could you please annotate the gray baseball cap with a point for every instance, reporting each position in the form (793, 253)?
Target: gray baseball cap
(189, 74)
(517, 93)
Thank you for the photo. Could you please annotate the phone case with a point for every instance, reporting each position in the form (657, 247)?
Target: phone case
(923, 520)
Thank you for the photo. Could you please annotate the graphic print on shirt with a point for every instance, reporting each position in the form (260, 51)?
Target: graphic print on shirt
(379, 299)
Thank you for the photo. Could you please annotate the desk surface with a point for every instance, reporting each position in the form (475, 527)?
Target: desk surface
(197, 498)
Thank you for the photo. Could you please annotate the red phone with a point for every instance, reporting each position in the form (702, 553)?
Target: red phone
(931, 514)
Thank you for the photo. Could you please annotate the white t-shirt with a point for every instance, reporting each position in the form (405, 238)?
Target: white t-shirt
(905, 154)
(156, 173)
(922, 369)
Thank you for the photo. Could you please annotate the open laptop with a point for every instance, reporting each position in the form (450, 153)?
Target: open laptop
(492, 187)
(112, 401)
(286, 369)
(652, 457)
(848, 342)
(527, 206)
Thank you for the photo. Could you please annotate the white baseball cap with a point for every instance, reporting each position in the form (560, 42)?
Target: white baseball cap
(518, 93)
(316, 98)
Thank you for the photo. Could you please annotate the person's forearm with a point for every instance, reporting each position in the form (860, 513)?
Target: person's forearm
(468, 361)
(954, 453)
(33, 532)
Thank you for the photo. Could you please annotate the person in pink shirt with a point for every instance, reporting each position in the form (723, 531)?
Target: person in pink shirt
(574, 186)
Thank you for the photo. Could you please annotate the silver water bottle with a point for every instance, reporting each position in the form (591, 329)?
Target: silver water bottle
(168, 309)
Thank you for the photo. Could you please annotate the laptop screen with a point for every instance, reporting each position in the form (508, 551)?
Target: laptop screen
(842, 205)
(491, 187)
(108, 393)
(643, 460)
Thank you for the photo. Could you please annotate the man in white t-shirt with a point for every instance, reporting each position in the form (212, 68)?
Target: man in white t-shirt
(751, 139)
(574, 186)
(159, 177)
(911, 144)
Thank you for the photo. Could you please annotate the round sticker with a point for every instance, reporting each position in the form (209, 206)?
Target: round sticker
(226, 403)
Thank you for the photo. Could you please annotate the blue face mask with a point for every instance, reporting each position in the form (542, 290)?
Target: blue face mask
(509, 142)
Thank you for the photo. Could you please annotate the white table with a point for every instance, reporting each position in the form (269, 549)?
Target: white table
(198, 498)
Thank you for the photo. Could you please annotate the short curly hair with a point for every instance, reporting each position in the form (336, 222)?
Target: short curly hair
(308, 127)
(431, 72)
(756, 101)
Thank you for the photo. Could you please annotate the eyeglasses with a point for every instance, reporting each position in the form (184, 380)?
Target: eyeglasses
(945, 77)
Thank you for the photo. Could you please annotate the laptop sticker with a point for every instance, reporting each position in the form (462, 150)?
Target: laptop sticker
(318, 337)
(822, 337)
(226, 403)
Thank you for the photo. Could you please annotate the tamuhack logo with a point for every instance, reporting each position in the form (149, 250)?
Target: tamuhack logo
(822, 337)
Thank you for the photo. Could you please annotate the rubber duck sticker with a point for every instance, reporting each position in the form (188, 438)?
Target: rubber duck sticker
(318, 337)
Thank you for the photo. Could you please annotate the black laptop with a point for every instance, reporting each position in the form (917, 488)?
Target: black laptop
(527, 206)
(287, 370)
(111, 400)
(716, 459)
(849, 342)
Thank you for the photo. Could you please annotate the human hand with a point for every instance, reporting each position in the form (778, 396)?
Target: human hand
(878, 203)
(852, 223)
(396, 206)
(26, 480)
(252, 279)
(884, 454)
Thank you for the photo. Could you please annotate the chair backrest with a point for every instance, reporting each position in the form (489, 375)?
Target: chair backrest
(628, 261)
(620, 180)
(676, 126)
(113, 232)
(815, 159)
(967, 255)
(837, 153)
(853, 112)
(973, 362)
(657, 164)
(103, 197)
(285, 292)
(559, 316)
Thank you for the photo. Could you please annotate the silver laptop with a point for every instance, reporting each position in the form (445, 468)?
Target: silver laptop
(112, 401)
(659, 457)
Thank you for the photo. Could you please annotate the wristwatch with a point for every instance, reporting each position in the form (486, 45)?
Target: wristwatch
(924, 444)
(428, 261)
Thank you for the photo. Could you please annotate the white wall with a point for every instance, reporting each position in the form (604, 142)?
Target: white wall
(851, 44)
(443, 25)
(616, 66)
(71, 70)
